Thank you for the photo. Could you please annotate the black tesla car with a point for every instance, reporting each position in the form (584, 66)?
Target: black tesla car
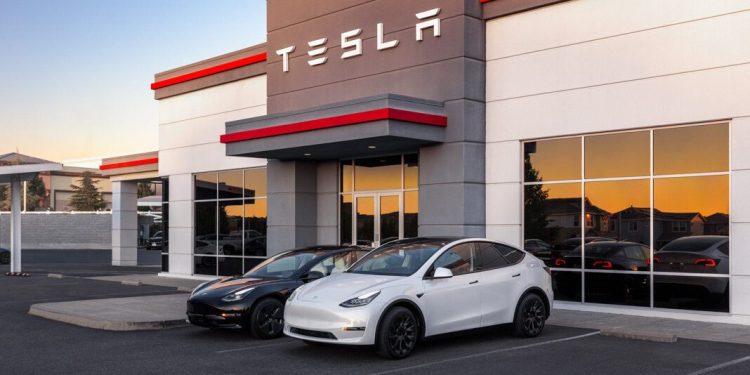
(255, 300)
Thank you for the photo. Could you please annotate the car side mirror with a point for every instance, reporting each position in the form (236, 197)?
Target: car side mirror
(313, 275)
(442, 273)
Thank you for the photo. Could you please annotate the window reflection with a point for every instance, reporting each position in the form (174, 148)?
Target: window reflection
(230, 228)
(692, 293)
(618, 155)
(566, 286)
(411, 171)
(691, 149)
(345, 225)
(256, 181)
(552, 222)
(205, 228)
(618, 288)
(347, 172)
(383, 173)
(389, 218)
(230, 185)
(205, 186)
(411, 213)
(365, 221)
(556, 159)
(256, 224)
(230, 266)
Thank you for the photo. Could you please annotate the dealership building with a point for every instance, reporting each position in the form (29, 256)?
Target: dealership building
(610, 138)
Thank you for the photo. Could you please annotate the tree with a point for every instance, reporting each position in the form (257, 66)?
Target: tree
(3, 197)
(36, 194)
(535, 219)
(87, 197)
(144, 190)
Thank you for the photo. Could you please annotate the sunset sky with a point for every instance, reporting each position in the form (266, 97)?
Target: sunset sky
(76, 73)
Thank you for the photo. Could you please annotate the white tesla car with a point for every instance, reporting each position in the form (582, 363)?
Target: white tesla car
(414, 288)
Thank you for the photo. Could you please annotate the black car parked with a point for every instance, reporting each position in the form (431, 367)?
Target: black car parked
(255, 300)
(4, 256)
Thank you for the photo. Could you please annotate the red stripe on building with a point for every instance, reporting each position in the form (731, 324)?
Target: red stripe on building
(210, 70)
(484, 1)
(132, 163)
(336, 121)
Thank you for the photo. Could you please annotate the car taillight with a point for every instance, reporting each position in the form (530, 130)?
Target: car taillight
(708, 262)
(602, 264)
(559, 262)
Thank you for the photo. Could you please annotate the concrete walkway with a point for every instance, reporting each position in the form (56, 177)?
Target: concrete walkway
(652, 329)
(118, 314)
(182, 285)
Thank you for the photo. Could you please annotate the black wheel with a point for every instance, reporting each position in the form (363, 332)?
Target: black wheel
(4, 258)
(267, 319)
(398, 333)
(530, 316)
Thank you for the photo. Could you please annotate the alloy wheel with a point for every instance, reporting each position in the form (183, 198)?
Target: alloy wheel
(271, 319)
(533, 317)
(402, 335)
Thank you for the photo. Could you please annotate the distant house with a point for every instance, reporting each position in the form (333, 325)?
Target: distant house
(717, 224)
(564, 214)
(632, 224)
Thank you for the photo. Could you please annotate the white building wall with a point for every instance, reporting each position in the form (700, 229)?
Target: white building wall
(601, 65)
(189, 129)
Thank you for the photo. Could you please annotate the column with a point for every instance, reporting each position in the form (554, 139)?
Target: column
(15, 224)
(292, 205)
(124, 223)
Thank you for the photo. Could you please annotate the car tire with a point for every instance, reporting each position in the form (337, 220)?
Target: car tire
(267, 319)
(531, 314)
(397, 334)
(5, 258)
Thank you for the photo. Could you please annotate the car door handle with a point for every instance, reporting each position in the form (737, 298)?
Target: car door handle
(516, 275)
(474, 282)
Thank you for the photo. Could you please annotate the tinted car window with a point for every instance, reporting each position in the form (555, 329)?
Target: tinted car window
(459, 259)
(635, 253)
(691, 244)
(397, 258)
(489, 257)
(512, 255)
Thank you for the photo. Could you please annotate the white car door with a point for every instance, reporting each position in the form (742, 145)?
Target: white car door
(452, 304)
(500, 282)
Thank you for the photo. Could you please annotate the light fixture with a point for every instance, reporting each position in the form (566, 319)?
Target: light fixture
(307, 154)
(371, 147)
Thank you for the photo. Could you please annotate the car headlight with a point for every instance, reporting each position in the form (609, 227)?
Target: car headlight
(237, 295)
(361, 300)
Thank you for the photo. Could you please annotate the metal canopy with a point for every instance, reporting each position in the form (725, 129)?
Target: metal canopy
(15, 168)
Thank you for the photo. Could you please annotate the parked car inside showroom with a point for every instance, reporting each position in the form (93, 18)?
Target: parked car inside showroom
(255, 300)
(410, 289)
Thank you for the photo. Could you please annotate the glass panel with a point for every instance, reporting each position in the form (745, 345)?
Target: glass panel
(230, 185)
(489, 257)
(205, 186)
(382, 173)
(691, 149)
(691, 224)
(556, 159)
(618, 288)
(164, 229)
(347, 173)
(345, 224)
(165, 189)
(250, 263)
(692, 293)
(552, 222)
(204, 265)
(389, 218)
(205, 228)
(567, 286)
(618, 210)
(618, 155)
(365, 221)
(411, 214)
(458, 259)
(256, 182)
(230, 228)
(256, 224)
(165, 262)
(230, 266)
(411, 171)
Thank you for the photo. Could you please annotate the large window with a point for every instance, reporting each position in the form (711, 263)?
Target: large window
(231, 213)
(655, 204)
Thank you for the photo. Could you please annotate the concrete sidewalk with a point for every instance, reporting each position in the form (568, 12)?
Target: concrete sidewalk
(649, 328)
(182, 285)
(118, 314)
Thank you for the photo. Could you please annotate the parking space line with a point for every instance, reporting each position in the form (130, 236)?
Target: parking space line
(720, 366)
(487, 353)
(254, 347)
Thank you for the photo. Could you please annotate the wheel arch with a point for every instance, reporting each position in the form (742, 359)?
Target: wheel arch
(412, 306)
(539, 292)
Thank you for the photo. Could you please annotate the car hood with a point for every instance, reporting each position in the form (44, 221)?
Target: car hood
(229, 285)
(340, 287)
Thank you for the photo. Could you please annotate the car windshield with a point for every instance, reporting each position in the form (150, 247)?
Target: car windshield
(398, 259)
(283, 265)
(692, 244)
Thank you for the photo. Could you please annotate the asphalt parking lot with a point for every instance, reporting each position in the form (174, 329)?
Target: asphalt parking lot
(35, 345)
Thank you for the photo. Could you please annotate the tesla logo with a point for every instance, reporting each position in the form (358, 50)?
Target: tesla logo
(351, 43)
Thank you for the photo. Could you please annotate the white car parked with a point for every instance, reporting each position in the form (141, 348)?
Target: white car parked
(414, 288)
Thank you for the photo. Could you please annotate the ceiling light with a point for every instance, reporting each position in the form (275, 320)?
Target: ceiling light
(371, 147)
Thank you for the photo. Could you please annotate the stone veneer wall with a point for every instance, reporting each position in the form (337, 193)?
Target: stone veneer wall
(60, 230)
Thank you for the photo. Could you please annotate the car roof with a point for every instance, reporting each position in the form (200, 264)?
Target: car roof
(328, 248)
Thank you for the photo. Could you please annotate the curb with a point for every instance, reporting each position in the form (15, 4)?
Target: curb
(640, 335)
(185, 289)
(107, 325)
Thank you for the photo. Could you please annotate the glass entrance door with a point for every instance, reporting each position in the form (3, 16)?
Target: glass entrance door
(378, 218)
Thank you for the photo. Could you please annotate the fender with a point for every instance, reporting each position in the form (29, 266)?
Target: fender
(413, 305)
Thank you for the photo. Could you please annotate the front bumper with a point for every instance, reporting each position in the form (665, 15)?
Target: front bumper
(312, 321)
(205, 315)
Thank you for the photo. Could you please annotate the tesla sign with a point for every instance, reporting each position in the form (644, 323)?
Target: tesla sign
(351, 43)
